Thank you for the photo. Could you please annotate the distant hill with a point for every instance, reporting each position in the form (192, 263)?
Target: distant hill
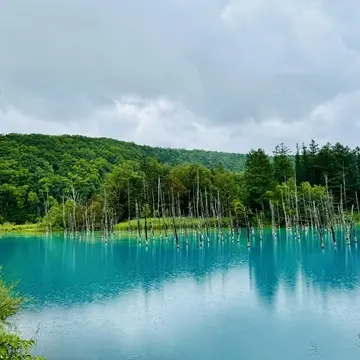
(53, 150)
(32, 166)
(210, 159)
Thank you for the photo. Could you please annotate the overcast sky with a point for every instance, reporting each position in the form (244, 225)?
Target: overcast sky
(225, 75)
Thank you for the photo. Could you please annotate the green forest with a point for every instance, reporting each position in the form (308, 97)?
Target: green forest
(75, 178)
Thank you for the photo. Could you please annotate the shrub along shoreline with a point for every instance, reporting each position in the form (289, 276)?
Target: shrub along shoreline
(12, 346)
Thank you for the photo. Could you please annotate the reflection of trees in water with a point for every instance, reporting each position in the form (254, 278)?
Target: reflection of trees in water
(272, 264)
(69, 271)
(263, 268)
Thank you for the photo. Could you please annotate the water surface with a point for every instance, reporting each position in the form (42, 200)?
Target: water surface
(280, 299)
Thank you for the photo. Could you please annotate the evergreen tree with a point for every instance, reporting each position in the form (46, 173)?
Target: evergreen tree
(298, 165)
(258, 178)
(312, 163)
(283, 166)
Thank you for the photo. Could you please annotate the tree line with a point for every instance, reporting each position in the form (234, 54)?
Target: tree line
(79, 182)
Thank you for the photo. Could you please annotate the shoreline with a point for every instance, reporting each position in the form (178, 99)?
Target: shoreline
(156, 225)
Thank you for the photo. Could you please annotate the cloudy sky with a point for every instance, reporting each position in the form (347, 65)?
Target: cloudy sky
(215, 74)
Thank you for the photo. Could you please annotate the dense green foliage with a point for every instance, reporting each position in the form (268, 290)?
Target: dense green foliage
(209, 159)
(337, 165)
(11, 345)
(32, 166)
(75, 179)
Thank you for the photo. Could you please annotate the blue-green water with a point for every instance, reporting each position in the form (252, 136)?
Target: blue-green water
(121, 300)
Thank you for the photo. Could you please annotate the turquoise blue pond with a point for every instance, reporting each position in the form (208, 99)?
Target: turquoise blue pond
(280, 299)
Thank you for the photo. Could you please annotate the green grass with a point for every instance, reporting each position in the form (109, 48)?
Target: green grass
(24, 228)
(158, 224)
(161, 224)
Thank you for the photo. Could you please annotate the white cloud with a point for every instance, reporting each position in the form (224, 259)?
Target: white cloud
(161, 121)
(223, 75)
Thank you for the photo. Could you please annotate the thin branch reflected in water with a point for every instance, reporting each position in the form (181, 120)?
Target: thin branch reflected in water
(315, 351)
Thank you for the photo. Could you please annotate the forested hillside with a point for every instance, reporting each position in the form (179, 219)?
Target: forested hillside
(81, 147)
(33, 165)
(210, 159)
(67, 177)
